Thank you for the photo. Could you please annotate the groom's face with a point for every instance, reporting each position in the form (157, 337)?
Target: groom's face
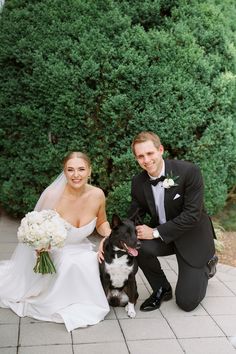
(149, 157)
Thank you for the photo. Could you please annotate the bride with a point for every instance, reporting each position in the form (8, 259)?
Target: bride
(74, 294)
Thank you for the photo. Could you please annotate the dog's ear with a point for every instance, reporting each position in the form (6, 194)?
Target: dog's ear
(136, 218)
(116, 221)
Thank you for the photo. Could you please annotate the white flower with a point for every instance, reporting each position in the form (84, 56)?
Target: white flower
(44, 229)
(168, 182)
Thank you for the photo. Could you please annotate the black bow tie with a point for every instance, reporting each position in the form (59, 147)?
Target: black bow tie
(154, 182)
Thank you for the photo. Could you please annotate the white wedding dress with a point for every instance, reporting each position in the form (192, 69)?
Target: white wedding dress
(73, 295)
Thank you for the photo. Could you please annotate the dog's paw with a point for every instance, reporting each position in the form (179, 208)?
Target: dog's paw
(129, 308)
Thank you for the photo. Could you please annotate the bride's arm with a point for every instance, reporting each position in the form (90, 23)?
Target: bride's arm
(103, 227)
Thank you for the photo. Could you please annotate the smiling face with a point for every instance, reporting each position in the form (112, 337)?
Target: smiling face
(77, 172)
(149, 157)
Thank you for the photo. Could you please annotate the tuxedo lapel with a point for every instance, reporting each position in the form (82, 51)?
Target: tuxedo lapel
(169, 169)
(149, 197)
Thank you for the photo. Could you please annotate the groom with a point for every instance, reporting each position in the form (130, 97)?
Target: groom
(171, 192)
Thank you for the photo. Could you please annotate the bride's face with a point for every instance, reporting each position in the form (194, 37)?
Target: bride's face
(77, 172)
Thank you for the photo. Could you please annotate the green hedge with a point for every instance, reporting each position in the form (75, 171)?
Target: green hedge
(89, 75)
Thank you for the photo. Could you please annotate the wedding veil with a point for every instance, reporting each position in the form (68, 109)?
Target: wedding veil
(51, 195)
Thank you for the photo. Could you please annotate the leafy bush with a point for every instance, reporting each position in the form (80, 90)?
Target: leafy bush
(89, 75)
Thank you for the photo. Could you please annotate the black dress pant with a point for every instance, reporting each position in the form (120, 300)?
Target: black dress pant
(192, 282)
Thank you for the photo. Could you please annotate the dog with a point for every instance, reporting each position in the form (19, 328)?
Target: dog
(119, 267)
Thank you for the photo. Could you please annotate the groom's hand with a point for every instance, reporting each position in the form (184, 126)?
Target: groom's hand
(144, 232)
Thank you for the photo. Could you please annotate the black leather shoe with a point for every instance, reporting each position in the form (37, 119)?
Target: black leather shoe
(212, 266)
(155, 300)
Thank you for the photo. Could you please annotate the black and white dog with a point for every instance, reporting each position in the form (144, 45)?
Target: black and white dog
(119, 267)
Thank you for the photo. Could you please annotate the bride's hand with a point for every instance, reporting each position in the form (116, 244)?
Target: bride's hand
(100, 251)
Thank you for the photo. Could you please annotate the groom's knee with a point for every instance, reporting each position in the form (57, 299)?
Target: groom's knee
(187, 305)
(187, 302)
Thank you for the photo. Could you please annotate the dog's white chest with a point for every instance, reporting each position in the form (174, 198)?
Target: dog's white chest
(119, 271)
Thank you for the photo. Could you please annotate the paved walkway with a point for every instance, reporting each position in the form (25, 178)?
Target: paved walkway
(210, 329)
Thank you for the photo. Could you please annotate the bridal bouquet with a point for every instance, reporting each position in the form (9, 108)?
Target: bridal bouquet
(43, 230)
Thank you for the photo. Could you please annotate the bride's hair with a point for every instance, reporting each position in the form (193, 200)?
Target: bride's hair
(77, 154)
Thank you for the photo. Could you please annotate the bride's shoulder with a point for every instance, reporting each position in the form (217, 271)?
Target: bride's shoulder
(96, 192)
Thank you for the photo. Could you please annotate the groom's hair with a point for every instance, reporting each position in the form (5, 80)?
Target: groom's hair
(146, 136)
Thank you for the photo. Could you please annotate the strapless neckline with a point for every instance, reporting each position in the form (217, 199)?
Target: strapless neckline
(77, 228)
(80, 227)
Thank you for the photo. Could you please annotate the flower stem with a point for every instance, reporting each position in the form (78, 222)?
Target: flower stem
(44, 264)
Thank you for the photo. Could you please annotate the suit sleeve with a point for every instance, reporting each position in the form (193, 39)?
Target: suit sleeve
(135, 207)
(192, 209)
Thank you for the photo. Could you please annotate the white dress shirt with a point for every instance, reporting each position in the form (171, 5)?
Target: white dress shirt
(158, 193)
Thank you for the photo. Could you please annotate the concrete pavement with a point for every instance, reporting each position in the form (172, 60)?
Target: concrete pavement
(210, 329)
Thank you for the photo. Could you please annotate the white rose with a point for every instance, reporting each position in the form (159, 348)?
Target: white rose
(41, 229)
(171, 182)
(34, 217)
(58, 242)
(166, 183)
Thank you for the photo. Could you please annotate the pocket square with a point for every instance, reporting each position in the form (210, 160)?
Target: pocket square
(176, 196)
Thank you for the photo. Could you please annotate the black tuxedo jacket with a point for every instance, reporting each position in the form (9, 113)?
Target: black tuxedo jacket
(187, 224)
